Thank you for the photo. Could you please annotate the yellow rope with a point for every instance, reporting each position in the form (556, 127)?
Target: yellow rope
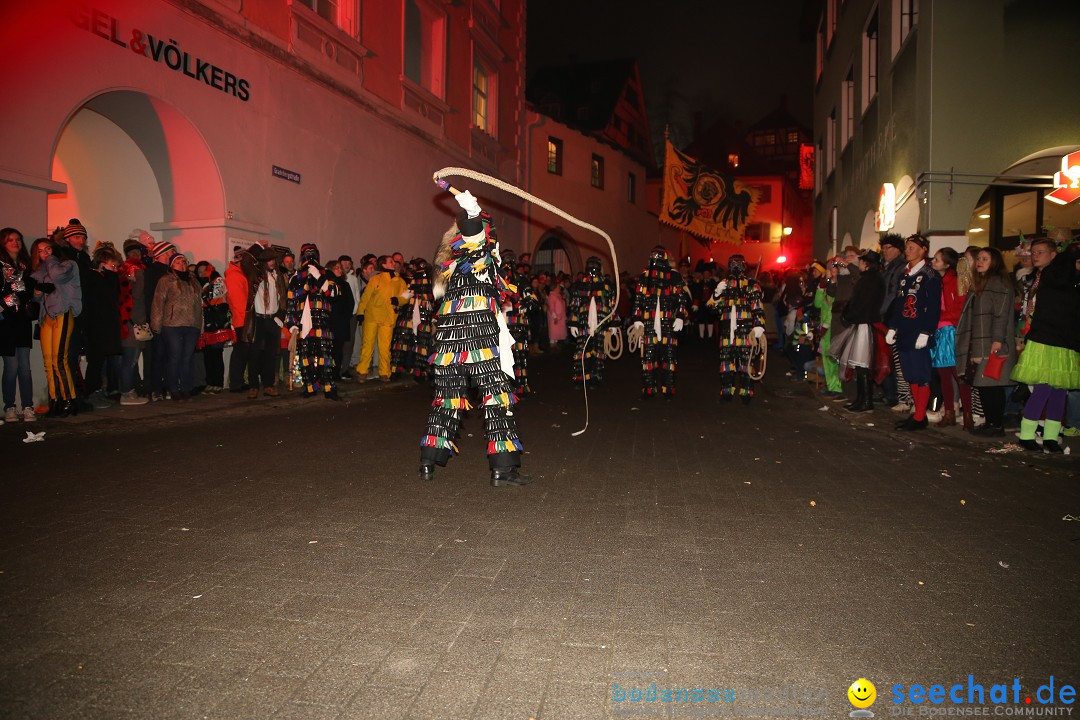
(506, 187)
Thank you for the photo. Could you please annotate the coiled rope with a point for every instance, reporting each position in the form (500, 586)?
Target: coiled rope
(613, 343)
(506, 187)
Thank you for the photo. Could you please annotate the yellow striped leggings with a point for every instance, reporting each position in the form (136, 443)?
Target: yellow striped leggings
(55, 339)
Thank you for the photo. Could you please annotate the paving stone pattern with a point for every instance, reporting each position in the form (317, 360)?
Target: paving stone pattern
(282, 559)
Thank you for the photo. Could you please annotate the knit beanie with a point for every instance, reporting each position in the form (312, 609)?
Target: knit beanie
(74, 227)
(161, 248)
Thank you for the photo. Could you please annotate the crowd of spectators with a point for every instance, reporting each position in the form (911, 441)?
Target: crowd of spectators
(151, 327)
(996, 361)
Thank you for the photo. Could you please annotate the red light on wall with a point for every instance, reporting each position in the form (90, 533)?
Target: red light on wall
(781, 260)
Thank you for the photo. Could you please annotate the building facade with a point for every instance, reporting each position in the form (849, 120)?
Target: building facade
(587, 145)
(214, 123)
(946, 117)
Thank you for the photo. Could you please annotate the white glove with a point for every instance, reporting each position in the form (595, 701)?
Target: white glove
(810, 337)
(890, 337)
(720, 288)
(920, 342)
(314, 272)
(407, 294)
(677, 327)
(639, 326)
(279, 323)
(574, 331)
(757, 332)
(468, 203)
(294, 330)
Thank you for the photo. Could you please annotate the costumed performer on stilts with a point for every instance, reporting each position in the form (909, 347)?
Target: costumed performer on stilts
(472, 347)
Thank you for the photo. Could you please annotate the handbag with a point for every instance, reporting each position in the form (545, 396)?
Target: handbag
(142, 332)
(994, 364)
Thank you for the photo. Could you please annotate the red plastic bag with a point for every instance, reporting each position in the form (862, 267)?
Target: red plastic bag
(994, 364)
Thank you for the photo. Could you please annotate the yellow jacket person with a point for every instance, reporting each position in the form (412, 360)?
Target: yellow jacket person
(378, 309)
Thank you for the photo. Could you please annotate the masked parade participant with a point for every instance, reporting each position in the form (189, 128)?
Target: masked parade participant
(516, 306)
(591, 300)
(661, 307)
(411, 348)
(308, 316)
(738, 300)
(472, 348)
(912, 323)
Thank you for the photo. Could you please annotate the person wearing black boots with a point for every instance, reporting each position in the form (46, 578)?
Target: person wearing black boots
(854, 347)
(472, 348)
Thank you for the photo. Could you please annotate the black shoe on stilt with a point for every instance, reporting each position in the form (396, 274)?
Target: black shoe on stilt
(427, 472)
(508, 476)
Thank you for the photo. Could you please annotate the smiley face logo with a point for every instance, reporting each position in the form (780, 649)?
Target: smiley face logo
(862, 693)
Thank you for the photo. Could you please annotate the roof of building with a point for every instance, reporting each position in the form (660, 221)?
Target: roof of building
(585, 93)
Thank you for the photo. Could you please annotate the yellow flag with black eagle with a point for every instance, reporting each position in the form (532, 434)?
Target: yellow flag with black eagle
(704, 202)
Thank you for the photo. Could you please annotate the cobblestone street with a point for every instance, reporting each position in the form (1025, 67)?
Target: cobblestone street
(252, 560)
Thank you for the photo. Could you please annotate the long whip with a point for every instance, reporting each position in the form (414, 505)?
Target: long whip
(506, 187)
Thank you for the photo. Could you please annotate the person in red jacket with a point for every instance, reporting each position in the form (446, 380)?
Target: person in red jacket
(943, 353)
(240, 282)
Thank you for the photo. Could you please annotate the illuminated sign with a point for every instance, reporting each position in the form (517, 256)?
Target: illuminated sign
(886, 211)
(1067, 182)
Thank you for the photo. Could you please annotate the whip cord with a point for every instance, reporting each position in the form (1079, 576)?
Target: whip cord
(507, 187)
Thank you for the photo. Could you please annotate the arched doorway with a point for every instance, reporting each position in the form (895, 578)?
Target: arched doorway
(553, 255)
(130, 160)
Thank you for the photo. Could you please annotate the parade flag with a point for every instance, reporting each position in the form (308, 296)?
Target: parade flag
(702, 201)
(806, 167)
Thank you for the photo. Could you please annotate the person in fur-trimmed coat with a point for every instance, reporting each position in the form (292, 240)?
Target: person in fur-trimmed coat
(661, 307)
(472, 348)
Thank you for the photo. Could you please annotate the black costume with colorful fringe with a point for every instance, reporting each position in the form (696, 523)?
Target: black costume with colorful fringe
(661, 293)
(591, 300)
(740, 309)
(411, 345)
(466, 348)
(307, 309)
(515, 307)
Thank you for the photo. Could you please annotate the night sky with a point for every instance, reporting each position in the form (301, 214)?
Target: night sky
(726, 59)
